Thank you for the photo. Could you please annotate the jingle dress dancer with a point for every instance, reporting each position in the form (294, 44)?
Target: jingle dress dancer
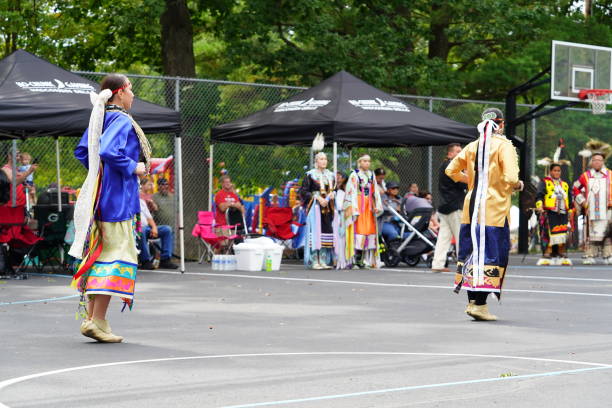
(317, 194)
(593, 192)
(489, 166)
(116, 152)
(362, 204)
(553, 204)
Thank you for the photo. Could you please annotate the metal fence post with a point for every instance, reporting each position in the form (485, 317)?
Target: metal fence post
(14, 176)
(533, 146)
(430, 158)
(178, 179)
(59, 181)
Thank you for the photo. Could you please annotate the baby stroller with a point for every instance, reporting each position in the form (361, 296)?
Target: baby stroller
(417, 239)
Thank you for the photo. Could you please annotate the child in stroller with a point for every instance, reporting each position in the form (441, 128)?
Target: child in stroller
(412, 238)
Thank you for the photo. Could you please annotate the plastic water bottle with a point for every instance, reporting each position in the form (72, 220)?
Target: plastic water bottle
(215, 262)
(223, 262)
(268, 263)
(232, 262)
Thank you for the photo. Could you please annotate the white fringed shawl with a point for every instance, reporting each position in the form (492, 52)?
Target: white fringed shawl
(83, 209)
(485, 128)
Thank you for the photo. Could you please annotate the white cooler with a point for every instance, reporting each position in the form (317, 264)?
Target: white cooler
(249, 257)
(276, 252)
(271, 248)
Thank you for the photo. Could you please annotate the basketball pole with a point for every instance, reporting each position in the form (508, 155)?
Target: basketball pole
(512, 122)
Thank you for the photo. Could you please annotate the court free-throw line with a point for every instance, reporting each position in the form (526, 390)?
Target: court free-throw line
(591, 365)
(414, 387)
(397, 285)
(561, 278)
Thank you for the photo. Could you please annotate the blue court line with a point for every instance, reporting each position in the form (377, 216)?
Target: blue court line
(417, 387)
(22, 302)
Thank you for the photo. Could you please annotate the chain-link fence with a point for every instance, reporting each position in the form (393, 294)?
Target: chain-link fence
(207, 103)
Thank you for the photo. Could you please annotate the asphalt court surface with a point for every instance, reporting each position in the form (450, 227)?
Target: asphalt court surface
(300, 338)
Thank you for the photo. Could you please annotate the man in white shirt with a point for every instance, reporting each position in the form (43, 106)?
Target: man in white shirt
(151, 230)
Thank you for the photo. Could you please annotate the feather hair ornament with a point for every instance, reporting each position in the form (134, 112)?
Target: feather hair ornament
(318, 143)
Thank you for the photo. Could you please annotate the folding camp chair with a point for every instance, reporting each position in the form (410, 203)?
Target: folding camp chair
(51, 250)
(16, 238)
(209, 239)
(277, 222)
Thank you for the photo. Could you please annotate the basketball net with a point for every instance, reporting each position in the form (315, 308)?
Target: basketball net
(597, 98)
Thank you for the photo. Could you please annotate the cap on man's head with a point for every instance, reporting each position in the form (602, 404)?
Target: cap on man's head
(162, 181)
(392, 184)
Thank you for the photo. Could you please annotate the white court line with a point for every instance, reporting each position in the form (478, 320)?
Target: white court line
(427, 272)
(17, 380)
(397, 285)
(415, 387)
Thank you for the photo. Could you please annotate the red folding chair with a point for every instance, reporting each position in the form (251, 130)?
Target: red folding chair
(277, 222)
(14, 233)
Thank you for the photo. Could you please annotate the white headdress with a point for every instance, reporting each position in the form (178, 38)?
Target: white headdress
(318, 143)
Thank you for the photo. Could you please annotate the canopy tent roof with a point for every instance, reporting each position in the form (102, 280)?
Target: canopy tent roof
(38, 98)
(348, 111)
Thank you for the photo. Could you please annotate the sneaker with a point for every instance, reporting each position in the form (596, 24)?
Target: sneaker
(167, 264)
(544, 262)
(566, 262)
(147, 266)
(588, 261)
(609, 260)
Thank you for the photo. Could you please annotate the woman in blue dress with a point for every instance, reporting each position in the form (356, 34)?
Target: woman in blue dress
(116, 153)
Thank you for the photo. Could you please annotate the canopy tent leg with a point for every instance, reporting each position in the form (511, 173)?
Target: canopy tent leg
(179, 176)
(210, 176)
(59, 185)
(335, 159)
(14, 177)
(57, 175)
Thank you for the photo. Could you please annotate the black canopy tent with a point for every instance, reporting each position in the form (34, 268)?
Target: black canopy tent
(349, 112)
(39, 99)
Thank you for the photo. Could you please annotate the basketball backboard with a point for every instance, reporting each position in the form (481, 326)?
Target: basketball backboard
(579, 66)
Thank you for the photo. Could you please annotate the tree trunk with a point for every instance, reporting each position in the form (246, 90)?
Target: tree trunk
(439, 44)
(178, 60)
(588, 8)
(177, 40)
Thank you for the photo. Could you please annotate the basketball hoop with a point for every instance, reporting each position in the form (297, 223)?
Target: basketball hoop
(598, 98)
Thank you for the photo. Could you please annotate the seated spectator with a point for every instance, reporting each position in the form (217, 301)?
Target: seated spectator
(146, 193)
(380, 175)
(391, 226)
(434, 223)
(151, 230)
(413, 190)
(164, 201)
(226, 198)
